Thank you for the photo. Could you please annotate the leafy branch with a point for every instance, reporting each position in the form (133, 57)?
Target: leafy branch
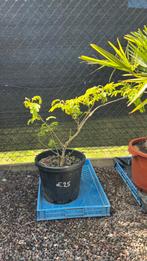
(80, 109)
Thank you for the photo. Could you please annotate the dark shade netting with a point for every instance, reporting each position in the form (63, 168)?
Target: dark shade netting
(40, 42)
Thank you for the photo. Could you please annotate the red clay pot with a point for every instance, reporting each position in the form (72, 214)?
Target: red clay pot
(139, 164)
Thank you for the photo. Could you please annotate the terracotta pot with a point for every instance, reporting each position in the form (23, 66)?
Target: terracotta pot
(139, 164)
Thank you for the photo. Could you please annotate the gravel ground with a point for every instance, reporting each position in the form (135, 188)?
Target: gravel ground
(123, 236)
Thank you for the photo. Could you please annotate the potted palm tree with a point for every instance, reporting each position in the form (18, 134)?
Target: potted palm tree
(59, 166)
(132, 62)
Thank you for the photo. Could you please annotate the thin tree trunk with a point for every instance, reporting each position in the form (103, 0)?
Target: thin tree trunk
(79, 128)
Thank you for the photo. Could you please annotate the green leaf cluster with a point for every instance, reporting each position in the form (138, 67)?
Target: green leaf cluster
(47, 126)
(132, 61)
(34, 106)
(137, 49)
(118, 61)
(79, 109)
(80, 105)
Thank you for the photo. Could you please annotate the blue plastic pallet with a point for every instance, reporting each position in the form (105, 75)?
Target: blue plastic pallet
(123, 168)
(91, 202)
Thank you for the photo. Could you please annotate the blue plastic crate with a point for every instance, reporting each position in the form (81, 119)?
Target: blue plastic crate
(121, 170)
(91, 202)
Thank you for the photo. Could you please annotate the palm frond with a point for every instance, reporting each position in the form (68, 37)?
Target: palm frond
(132, 61)
(141, 90)
(140, 106)
(137, 47)
(118, 61)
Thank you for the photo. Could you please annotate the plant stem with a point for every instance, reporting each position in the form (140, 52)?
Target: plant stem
(62, 156)
(57, 138)
(102, 105)
(53, 133)
(80, 126)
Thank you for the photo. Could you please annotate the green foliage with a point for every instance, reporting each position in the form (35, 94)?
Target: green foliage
(77, 107)
(48, 125)
(119, 62)
(137, 49)
(52, 143)
(80, 109)
(131, 60)
(34, 106)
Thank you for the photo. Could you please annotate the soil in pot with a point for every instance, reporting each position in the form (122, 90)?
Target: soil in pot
(54, 160)
(60, 184)
(141, 146)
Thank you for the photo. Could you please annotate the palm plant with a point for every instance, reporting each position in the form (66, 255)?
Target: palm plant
(132, 61)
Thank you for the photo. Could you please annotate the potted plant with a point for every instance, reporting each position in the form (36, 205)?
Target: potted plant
(60, 167)
(132, 62)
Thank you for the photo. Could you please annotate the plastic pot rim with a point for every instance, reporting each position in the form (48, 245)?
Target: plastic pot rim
(133, 150)
(58, 169)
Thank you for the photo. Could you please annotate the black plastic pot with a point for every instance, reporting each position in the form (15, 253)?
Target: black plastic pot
(60, 184)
